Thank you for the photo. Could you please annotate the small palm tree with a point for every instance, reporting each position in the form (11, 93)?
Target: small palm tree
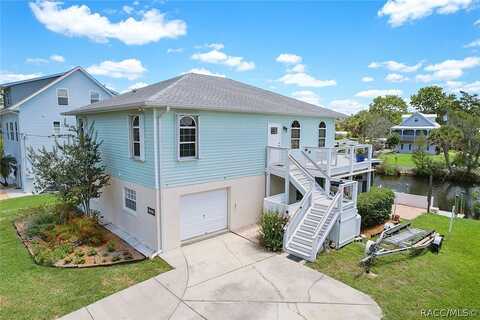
(7, 164)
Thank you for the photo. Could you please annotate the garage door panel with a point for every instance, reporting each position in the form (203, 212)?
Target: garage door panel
(203, 213)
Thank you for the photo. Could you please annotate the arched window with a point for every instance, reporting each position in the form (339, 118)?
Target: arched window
(136, 137)
(187, 142)
(322, 134)
(295, 135)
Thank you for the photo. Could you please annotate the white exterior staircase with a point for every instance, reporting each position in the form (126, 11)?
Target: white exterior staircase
(309, 227)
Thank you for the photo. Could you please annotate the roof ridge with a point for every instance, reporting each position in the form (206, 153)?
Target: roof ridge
(162, 91)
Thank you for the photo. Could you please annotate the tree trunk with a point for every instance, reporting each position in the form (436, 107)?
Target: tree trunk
(447, 160)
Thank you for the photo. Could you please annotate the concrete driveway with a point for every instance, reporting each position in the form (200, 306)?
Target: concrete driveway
(229, 277)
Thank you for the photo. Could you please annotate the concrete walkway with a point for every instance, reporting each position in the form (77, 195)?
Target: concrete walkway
(229, 277)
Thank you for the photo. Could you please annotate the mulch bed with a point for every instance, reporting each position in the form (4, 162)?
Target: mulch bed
(92, 256)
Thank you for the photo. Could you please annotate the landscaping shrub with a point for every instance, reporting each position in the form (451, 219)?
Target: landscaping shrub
(375, 206)
(110, 246)
(271, 230)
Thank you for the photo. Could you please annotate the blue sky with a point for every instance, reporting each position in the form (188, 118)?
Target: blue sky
(336, 54)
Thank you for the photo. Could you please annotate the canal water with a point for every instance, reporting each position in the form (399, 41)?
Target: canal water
(443, 192)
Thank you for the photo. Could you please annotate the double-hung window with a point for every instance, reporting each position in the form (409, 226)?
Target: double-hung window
(295, 135)
(56, 127)
(136, 137)
(12, 133)
(16, 131)
(187, 137)
(62, 97)
(94, 97)
(130, 199)
(322, 134)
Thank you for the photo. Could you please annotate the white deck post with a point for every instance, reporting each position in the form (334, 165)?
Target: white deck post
(267, 185)
(287, 176)
(352, 154)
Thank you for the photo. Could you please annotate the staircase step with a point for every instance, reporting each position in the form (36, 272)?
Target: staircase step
(314, 217)
(311, 223)
(305, 234)
(300, 247)
(307, 228)
(305, 241)
(298, 253)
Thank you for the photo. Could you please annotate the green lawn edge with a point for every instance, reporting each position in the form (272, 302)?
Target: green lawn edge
(405, 285)
(30, 291)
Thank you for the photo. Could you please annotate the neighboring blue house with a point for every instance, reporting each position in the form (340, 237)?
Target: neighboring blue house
(413, 127)
(196, 155)
(31, 114)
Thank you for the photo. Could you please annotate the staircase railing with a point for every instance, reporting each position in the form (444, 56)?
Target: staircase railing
(305, 171)
(337, 203)
(296, 217)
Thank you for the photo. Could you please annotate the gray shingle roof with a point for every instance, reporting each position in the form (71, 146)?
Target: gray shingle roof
(202, 92)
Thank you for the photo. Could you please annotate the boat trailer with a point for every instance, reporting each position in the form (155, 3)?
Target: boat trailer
(400, 238)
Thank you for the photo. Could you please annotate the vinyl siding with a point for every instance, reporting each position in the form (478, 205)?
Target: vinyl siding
(113, 129)
(230, 145)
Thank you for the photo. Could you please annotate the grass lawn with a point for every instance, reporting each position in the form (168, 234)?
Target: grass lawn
(404, 160)
(29, 291)
(405, 285)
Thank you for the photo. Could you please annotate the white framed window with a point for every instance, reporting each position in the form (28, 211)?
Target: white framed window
(130, 199)
(62, 97)
(94, 96)
(56, 127)
(12, 133)
(322, 134)
(136, 137)
(16, 131)
(187, 137)
(295, 135)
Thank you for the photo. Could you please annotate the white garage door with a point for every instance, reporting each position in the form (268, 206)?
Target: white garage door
(203, 213)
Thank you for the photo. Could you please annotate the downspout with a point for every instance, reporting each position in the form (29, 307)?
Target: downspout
(158, 203)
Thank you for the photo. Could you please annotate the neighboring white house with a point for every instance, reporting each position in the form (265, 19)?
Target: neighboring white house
(196, 155)
(30, 115)
(412, 127)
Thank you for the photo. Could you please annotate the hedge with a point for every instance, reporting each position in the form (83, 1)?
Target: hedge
(375, 206)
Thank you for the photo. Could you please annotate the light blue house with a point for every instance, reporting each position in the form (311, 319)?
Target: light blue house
(414, 128)
(196, 155)
(31, 114)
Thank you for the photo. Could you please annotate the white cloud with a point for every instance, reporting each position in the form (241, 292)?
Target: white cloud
(473, 44)
(477, 23)
(174, 50)
(367, 79)
(137, 85)
(448, 69)
(395, 77)
(216, 56)
(127, 9)
(80, 21)
(130, 69)
(401, 11)
(347, 106)
(289, 58)
(136, 3)
(376, 92)
(205, 72)
(6, 76)
(302, 79)
(307, 96)
(36, 61)
(216, 46)
(57, 58)
(395, 66)
(297, 68)
(457, 86)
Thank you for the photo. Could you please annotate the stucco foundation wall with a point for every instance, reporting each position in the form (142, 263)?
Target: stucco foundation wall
(140, 224)
(245, 203)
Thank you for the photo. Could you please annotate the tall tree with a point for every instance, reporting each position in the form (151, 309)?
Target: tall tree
(433, 100)
(75, 169)
(446, 138)
(467, 120)
(390, 107)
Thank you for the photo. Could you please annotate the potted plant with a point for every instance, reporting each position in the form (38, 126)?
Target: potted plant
(360, 155)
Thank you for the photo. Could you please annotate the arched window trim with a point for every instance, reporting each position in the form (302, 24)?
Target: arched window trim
(294, 139)
(195, 141)
(322, 139)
